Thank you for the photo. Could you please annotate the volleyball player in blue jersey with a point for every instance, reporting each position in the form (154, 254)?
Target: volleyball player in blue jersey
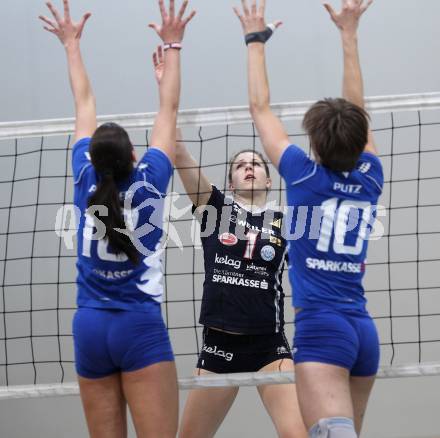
(336, 343)
(243, 301)
(122, 350)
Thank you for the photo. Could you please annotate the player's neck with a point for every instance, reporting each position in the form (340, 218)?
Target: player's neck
(252, 200)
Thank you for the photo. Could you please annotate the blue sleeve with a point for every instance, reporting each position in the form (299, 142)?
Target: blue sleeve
(80, 158)
(295, 166)
(156, 169)
(371, 167)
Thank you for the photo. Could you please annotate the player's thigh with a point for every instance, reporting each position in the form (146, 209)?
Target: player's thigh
(323, 391)
(281, 402)
(104, 406)
(153, 399)
(360, 388)
(205, 410)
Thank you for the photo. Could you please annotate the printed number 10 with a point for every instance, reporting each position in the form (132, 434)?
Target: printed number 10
(340, 225)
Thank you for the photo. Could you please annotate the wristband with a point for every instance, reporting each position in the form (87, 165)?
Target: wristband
(177, 46)
(260, 37)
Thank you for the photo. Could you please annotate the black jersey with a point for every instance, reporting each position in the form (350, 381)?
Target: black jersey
(244, 255)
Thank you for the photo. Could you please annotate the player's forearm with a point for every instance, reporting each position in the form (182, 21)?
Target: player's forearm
(183, 157)
(195, 182)
(258, 83)
(79, 80)
(169, 89)
(353, 86)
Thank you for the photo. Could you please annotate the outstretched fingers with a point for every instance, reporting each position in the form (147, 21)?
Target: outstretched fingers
(254, 7)
(245, 7)
(66, 10)
(189, 18)
(155, 27)
(172, 9)
(238, 14)
(83, 23)
(54, 12)
(163, 11)
(155, 60)
(158, 56)
(47, 21)
(365, 6)
(50, 29)
(330, 10)
(262, 8)
(182, 10)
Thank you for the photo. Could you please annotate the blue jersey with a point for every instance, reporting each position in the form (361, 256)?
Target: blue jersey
(107, 279)
(329, 220)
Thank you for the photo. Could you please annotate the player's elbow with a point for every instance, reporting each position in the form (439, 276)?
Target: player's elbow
(258, 107)
(86, 102)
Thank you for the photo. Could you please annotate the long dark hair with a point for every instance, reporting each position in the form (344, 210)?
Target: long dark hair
(111, 156)
(338, 132)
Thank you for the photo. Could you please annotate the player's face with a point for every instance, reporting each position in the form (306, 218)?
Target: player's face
(249, 173)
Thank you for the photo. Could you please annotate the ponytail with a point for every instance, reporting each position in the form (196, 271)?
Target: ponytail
(107, 194)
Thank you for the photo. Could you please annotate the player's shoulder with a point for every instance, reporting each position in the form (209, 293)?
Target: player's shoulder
(369, 168)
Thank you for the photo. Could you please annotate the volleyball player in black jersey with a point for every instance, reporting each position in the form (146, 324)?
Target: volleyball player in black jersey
(242, 306)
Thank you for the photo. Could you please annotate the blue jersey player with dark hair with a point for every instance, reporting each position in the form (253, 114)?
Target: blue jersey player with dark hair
(332, 201)
(122, 349)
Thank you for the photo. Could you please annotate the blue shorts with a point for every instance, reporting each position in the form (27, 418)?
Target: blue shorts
(109, 341)
(348, 340)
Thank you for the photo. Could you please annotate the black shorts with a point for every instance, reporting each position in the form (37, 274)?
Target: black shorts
(227, 353)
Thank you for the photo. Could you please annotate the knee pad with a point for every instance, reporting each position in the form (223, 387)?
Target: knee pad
(334, 427)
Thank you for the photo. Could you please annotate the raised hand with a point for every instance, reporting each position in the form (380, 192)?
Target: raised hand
(252, 19)
(347, 20)
(64, 28)
(159, 64)
(173, 26)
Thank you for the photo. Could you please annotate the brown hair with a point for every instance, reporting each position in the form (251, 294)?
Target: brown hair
(338, 132)
(232, 161)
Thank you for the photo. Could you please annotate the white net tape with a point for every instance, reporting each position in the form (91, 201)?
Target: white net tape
(216, 381)
(214, 116)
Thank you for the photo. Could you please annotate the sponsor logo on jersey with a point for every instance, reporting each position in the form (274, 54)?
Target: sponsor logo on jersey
(228, 239)
(236, 281)
(347, 188)
(246, 224)
(112, 275)
(334, 266)
(261, 270)
(276, 223)
(276, 241)
(364, 167)
(227, 261)
(236, 208)
(217, 352)
(282, 350)
(267, 253)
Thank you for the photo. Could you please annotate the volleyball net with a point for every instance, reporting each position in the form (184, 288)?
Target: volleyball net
(38, 249)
